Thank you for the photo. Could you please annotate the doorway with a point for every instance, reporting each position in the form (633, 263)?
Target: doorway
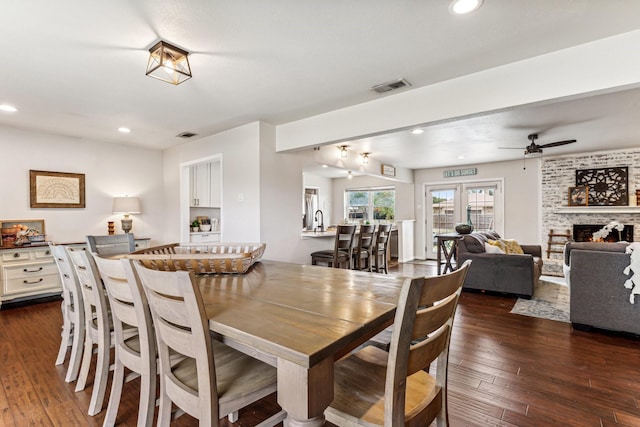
(481, 202)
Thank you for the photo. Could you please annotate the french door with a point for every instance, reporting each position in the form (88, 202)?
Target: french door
(452, 203)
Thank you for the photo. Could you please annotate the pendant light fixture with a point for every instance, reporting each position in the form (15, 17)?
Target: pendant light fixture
(343, 151)
(168, 63)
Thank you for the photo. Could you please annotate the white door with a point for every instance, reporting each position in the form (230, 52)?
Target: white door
(450, 204)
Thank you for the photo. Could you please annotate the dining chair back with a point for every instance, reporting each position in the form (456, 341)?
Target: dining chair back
(97, 326)
(113, 244)
(373, 387)
(137, 353)
(342, 254)
(73, 322)
(362, 251)
(380, 248)
(213, 380)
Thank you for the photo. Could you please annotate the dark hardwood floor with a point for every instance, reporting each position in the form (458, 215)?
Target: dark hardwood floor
(504, 370)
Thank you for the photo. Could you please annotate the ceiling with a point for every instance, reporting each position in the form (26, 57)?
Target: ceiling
(77, 69)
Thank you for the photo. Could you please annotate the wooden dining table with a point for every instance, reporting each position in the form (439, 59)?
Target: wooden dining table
(300, 318)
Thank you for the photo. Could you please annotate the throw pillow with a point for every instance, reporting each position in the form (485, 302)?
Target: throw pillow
(509, 246)
(492, 249)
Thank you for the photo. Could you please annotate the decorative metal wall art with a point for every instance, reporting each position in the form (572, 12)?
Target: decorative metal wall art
(607, 186)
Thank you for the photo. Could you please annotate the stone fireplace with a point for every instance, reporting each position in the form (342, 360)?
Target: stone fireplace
(584, 233)
(557, 175)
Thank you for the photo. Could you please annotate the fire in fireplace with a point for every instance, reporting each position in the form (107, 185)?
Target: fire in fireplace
(584, 233)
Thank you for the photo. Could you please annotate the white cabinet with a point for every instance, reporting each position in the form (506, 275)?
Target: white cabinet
(26, 272)
(205, 179)
(205, 237)
(200, 185)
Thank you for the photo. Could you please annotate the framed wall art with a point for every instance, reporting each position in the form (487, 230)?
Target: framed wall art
(607, 186)
(56, 189)
(579, 196)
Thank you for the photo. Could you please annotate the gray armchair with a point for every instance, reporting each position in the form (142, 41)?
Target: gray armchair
(505, 273)
(598, 296)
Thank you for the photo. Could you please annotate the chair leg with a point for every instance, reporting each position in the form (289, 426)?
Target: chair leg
(164, 410)
(116, 394)
(100, 380)
(86, 362)
(76, 352)
(147, 399)
(65, 339)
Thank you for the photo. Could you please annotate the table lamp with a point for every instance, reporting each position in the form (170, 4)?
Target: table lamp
(126, 206)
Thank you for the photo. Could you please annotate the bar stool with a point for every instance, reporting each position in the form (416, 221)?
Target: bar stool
(342, 253)
(380, 248)
(362, 252)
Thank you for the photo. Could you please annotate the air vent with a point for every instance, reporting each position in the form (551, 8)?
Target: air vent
(186, 135)
(389, 86)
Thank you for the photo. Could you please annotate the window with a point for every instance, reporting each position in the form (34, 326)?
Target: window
(370, 204)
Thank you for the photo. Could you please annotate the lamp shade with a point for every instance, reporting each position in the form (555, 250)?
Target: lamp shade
(168, 63)
(126, 205)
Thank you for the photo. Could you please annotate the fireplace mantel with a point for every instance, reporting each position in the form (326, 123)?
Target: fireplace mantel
(598, 210)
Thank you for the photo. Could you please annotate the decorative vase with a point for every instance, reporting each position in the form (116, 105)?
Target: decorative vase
(462, 228)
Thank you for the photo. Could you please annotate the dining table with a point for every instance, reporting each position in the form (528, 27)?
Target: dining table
(300, 319)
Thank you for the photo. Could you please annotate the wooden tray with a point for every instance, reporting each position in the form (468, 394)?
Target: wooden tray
(201, 258)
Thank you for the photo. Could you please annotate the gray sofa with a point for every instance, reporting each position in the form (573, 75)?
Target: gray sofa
(511, 274)
(598, 298)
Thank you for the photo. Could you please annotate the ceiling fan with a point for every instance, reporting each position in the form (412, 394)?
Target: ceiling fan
(534, 148)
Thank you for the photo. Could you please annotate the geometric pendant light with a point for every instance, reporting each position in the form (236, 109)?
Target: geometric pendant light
(168, 63)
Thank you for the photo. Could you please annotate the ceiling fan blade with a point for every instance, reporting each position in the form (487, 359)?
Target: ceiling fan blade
(511, 148)
(557, 143)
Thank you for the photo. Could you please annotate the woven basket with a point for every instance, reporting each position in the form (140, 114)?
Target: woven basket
(211, 258)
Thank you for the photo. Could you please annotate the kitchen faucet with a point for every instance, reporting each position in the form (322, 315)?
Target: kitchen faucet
(320, 221)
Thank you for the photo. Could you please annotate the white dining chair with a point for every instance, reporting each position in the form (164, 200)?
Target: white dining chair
(73, 322)
(213, 380)
(136, 353)
(98, 327)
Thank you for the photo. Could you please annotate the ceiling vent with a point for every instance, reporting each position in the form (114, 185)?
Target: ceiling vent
(186, 135)
(389, 86)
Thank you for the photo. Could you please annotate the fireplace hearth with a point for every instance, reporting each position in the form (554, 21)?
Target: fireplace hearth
(584, 233)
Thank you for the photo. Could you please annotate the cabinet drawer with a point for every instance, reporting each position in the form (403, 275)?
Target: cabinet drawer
(43, 253)
(8, 256)
(33, 284)
(205, 238)
(28, 270)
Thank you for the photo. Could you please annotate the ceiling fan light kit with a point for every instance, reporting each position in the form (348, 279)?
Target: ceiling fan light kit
(168, 63)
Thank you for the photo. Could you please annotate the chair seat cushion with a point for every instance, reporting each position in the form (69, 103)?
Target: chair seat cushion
(360, 383)
(237, 374)
(328, 254)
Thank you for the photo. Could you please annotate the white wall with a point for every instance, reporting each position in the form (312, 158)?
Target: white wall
(521, 195)
(281, 191)
(110, 170)
(240, 150)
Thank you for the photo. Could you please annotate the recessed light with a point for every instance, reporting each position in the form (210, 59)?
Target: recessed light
(460, 157)
(124, 130)
(460, 7)
(8, 108)
(325, 166)
(417, 131)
